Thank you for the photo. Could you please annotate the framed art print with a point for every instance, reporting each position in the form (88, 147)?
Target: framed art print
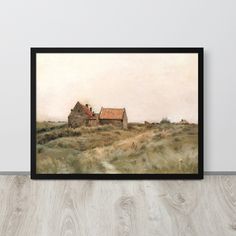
(117, 113)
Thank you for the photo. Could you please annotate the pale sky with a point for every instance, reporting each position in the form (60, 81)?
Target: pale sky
(149, 86)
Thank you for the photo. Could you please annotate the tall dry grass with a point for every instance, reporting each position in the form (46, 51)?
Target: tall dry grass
(162, 148)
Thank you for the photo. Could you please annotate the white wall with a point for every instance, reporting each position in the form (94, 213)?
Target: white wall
(146, 23)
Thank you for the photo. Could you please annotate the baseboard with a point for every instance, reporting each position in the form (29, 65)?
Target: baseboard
(205, 173)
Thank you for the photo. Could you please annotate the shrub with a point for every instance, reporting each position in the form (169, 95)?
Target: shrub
(176, 139)
(49, 126)
(46, 137)
(40, 149)
(114, 159)
(165, 120)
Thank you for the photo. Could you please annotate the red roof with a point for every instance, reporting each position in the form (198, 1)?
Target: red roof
(87, 111)
(112, 113)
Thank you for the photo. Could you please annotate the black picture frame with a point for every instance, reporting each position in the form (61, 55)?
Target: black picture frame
(199, 175)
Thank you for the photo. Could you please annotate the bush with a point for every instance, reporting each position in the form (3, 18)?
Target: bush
(46, 137)
(49, 126)
(165, 120)
(40, 149)
(176, 139)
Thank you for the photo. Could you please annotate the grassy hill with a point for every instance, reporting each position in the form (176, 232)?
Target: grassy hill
(158, 148)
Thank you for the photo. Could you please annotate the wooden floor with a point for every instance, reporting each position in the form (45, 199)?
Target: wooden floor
(107, 208)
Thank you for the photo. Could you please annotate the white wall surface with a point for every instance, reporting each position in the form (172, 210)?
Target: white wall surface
(126, 23)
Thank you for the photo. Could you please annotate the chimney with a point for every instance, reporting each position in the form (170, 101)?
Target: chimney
(86, 105)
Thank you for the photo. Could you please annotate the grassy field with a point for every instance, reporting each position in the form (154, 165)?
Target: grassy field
(158, 148)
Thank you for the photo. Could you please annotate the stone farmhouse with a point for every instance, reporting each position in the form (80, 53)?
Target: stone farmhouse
(83, 115)
(114, 116)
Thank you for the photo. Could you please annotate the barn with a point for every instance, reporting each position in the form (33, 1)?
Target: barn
(82, 115)
(114, 116)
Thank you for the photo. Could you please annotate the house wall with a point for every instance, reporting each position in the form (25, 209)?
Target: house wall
(77, 116)
(125, 121)
(93, 122)
(77, 119)
(117, 123)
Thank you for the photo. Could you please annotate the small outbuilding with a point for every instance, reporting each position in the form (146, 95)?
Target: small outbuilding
(114, 116)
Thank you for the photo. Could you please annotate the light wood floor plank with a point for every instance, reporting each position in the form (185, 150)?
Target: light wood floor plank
(107, 208)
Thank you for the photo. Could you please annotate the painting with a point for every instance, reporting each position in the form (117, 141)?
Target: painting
(116, 113)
